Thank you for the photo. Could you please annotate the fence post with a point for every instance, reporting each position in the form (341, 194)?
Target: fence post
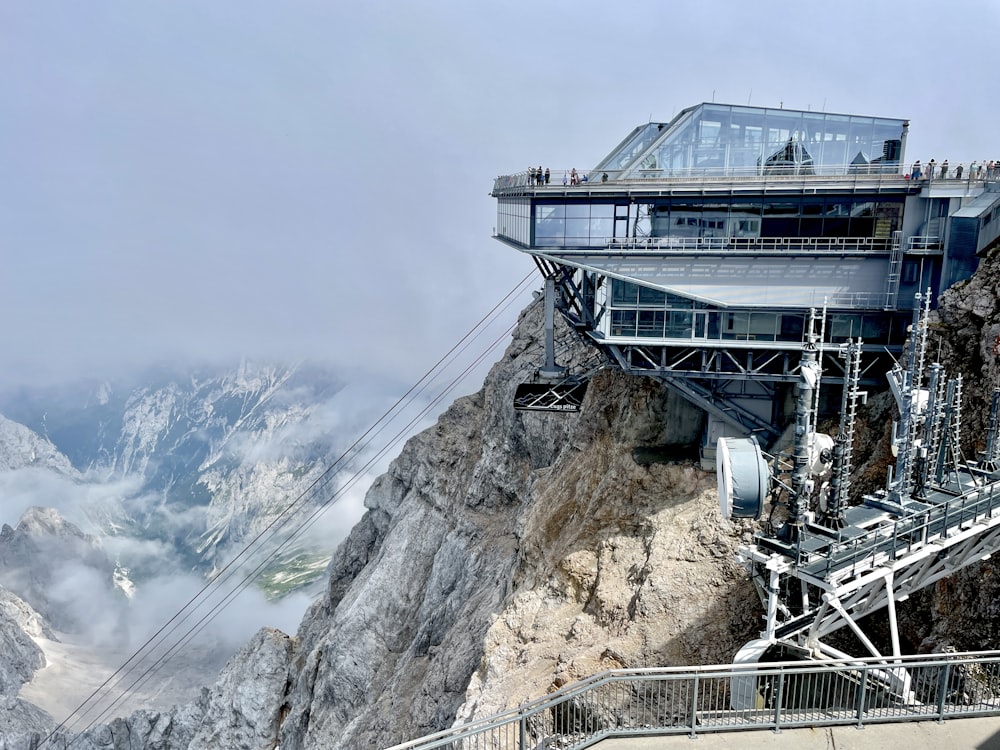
(778, 697)
(943, 690)
(862, 697)
(523, 731)
(694, 707)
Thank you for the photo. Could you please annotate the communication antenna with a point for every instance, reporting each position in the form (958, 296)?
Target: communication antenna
(744, 477)
(803, 459)
(934, 420)
(843, 449)
(912, 401)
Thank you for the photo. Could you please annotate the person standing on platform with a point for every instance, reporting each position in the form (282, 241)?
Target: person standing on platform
(547, 175)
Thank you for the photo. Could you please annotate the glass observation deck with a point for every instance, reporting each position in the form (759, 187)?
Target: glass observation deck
(712, 139)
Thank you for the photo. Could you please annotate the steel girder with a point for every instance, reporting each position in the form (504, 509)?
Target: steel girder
(879, 582)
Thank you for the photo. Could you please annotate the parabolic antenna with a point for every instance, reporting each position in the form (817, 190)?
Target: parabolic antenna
(743, 476)
(820, 454)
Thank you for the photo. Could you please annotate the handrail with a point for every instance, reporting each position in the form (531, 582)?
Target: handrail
(926, 525)
(750, 245)
(716, 698)
(520, 181)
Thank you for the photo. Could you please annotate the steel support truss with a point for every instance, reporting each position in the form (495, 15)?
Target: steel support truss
(710, 375)
(808, 597)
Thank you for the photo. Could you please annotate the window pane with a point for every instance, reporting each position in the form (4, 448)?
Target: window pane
(624, 293)
(679, 324)
(623, 322)
(649, 296)
(651, 323)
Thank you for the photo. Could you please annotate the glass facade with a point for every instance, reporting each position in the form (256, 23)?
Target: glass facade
(730, 140)
(514, 219)
(594, 224)
(788, 216)
(574, 224)
(641, 312)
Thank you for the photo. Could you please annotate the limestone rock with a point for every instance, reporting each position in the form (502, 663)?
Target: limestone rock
(21, 723)
(504, 551)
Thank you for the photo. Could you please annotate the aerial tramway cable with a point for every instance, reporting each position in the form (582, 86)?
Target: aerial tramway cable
(321, 484)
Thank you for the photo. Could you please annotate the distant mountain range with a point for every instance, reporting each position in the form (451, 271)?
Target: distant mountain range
(192, 464)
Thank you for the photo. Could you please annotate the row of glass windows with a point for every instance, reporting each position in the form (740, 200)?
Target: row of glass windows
(748, 326)
(808, 217)
(639, 311)
(586, 224)
(627, 294)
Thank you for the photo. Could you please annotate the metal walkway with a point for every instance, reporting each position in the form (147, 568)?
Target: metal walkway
(698, 701)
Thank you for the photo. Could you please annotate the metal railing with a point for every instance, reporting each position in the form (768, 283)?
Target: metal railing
(750, 245)
(901, 536)
(895, 173)
(923, 244)
(701, 700)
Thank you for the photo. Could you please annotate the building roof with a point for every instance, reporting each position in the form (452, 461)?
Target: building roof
(731, 139)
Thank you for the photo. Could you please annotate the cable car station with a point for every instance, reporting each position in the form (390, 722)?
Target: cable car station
(694, 251)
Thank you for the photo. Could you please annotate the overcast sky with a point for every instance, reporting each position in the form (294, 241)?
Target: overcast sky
(212, 178)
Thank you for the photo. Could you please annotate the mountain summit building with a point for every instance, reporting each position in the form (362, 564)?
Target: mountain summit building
(696, 249)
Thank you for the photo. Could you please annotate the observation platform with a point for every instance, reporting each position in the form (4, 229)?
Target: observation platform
(722, 181)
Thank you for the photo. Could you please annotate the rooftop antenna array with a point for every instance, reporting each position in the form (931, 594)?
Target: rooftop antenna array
(831, 562)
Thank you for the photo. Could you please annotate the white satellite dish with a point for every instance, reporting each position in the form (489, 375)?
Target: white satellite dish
(743, 475)
(820, 454)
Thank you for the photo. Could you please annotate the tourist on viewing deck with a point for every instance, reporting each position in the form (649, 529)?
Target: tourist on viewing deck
(915, 172)
(573, 180)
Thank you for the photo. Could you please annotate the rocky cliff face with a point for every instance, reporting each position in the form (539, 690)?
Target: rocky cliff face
(506, 552)
(243, 710)
(20, 656)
